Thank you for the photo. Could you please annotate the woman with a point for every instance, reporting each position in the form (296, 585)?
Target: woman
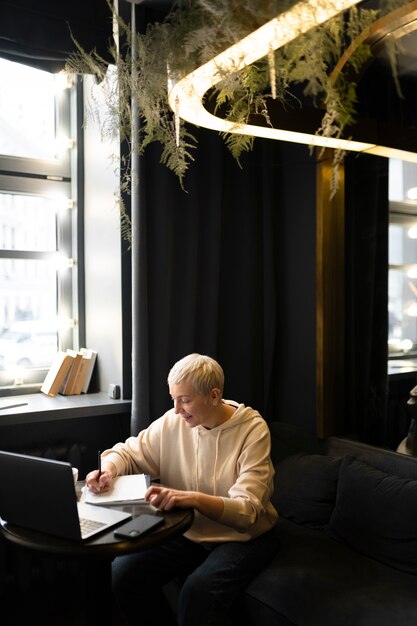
(212, 455)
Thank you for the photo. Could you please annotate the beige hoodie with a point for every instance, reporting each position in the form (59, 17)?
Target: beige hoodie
(231, 461)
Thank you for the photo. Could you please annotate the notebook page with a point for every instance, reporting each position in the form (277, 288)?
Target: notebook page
(129, 488)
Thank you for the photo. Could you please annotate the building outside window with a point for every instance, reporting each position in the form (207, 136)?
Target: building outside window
(402, 274)
(39, 260)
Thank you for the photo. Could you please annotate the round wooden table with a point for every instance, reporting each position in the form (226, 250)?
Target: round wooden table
(98, 553)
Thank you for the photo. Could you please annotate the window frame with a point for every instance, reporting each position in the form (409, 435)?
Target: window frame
(58, 167)
(45, 177)
(403, 213)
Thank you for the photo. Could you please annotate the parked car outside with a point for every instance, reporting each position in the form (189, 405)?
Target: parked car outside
(28, 344)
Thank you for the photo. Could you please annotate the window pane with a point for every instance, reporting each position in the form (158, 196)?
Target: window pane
(403, 244)
(28, 313)
(402, 274)
(37, 307)
(27, 222)
(402, 182)
(27, 112)
(402, 288)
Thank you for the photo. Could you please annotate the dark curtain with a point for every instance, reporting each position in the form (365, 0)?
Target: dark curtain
(38, 32)
(215, 279)
(366, 298)
(226, 268)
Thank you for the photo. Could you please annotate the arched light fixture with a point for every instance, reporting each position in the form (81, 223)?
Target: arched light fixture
(186, 95)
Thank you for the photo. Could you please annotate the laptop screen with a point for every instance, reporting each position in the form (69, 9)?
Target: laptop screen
(39, 494)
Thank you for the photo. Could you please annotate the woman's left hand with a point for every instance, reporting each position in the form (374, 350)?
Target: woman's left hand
(166, 499)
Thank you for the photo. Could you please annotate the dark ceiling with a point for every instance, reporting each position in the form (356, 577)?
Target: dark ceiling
(38, 32)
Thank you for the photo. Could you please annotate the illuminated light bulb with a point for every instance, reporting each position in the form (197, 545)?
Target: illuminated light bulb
(412, 232)
(412, 272)
(406, 345)
(62, 203)
(63, 80)
(63, 262)
(18, 374)
(411, 310)
(62, 144)
(65, 323)
(412, 193)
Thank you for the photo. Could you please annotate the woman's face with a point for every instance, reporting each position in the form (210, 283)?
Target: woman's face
(193, 407)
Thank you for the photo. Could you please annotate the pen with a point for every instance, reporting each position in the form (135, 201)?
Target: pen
(12, 406)
(99, 463)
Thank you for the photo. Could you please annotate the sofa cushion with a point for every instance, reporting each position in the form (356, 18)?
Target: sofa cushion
(388, 461)
(305, 488)
(376, 514)
(317, 581)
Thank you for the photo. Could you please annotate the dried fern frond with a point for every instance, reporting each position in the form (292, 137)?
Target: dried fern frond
(237, 144)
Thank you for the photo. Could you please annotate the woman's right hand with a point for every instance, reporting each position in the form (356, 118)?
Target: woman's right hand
(98, 483)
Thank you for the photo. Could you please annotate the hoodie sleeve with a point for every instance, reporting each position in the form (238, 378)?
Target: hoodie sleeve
(138, 454)
(249, 497)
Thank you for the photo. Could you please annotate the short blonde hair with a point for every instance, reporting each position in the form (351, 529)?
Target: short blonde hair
(203, 372)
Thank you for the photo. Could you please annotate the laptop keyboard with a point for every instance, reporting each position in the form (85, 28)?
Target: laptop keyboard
(88, 525)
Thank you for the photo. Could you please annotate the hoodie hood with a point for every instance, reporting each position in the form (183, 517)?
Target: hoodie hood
(242, 414)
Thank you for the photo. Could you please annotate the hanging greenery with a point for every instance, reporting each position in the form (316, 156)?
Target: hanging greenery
(192, 34)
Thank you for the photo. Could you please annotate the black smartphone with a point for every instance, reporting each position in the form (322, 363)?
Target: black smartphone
(137, 526)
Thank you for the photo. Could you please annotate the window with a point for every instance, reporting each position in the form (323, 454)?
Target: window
(402, 275)
(39, 233)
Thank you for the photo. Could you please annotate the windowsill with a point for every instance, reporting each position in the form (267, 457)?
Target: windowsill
(38, 407)
(401, 367)
(19, 390)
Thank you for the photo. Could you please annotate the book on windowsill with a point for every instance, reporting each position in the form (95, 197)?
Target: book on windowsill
(82, 373)
(67, 387)
(89, 359)
(70, 373)
(126, 490)
(57, 374)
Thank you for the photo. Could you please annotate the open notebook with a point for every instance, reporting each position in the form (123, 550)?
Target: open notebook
(126, 489)
(39, 494)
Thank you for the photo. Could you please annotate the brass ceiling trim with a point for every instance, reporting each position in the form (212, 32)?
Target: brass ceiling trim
(395, 24)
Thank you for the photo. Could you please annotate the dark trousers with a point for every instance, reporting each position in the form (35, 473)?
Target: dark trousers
(213, 579)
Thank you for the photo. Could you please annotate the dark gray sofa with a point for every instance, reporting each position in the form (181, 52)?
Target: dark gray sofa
(348, 536)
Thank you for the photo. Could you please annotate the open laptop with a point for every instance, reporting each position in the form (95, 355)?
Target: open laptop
(39, 494)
